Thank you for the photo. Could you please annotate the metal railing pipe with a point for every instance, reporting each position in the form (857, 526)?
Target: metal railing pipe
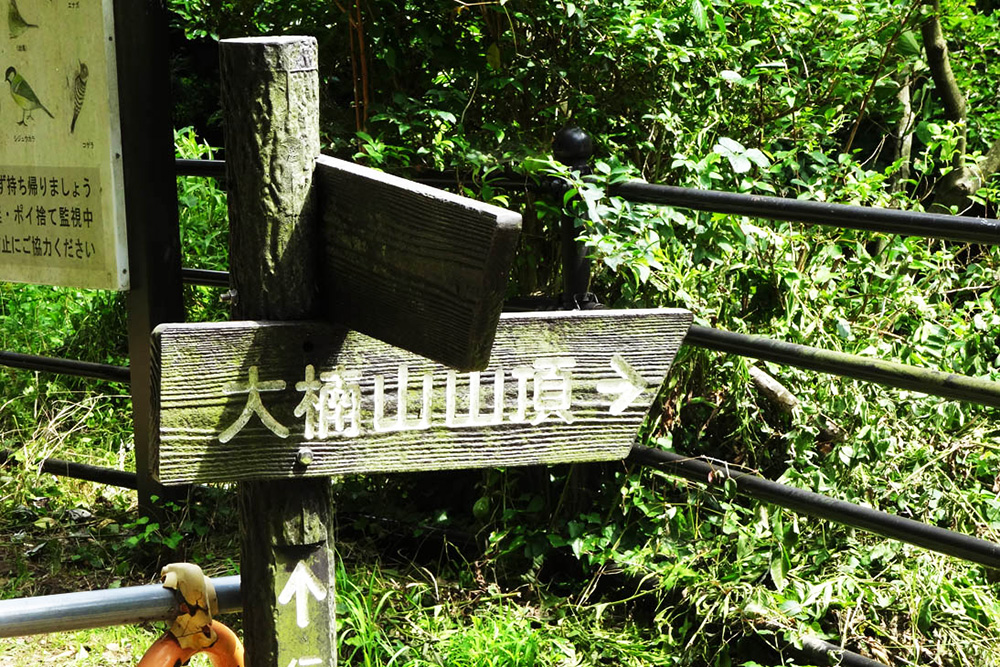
(441, 180)
(206, 277)
(121, 478)
(885, 220)
(892, 374)
(213, 168)
(888, 221)
(697, 469)
(98, 609)
(65, 366)
(814, 647)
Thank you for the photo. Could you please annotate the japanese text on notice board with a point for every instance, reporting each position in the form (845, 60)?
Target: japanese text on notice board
(52, 214)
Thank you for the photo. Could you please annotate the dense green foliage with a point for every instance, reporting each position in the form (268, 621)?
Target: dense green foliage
(612, 564)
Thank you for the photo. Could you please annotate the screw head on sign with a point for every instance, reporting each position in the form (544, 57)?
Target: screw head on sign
(305, 456)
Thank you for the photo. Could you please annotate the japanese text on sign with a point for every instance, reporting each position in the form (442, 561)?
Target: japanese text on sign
(332, 401)
(50, 213)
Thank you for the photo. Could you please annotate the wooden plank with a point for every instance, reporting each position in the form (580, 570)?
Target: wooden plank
(420, 268)
(264, 400)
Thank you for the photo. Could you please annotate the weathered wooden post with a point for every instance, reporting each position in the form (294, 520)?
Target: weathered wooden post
(270, 95)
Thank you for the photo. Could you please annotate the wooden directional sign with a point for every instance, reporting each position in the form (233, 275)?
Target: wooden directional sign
(420, 268)
(268, 400)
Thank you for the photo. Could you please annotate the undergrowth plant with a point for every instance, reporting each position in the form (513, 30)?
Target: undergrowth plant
(204, 228)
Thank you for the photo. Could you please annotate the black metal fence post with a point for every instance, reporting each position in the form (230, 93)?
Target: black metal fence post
(573, 147)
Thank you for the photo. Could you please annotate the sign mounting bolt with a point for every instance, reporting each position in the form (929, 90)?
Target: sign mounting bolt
(305, 456)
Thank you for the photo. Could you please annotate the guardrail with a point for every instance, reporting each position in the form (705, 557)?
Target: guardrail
(98, 609)
(142, 604)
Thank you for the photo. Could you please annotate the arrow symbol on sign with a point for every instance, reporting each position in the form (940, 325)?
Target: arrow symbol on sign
(301, 582)
(628, 388)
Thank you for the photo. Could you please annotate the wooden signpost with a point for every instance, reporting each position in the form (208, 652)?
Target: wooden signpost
(279, 406)
(270, 99)
(259, 400)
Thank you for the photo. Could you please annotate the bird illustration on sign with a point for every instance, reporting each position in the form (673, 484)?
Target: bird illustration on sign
(24, 96)
(79, 91)
(16, 22)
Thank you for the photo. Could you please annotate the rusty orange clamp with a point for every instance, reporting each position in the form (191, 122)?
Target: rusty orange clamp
(193, 631)
(225, 651)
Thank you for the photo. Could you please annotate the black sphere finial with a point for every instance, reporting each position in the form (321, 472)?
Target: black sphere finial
(573, 147)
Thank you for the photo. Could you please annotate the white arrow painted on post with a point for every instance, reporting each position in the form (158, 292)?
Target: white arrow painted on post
(305, 662)
(628, 388)
(301, 582)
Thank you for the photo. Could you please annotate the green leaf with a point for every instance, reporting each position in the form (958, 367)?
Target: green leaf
(172, 540)
(924, 616)
(739, 163)
(45, 523)
(927, 131)
(846, 455)
(779, 569)
(733, 151)
(700, 15)
(728, 145)
(642, 270)
(844, 329)
(493, 56)
(908, 44)
(758, 158)
(481, 508)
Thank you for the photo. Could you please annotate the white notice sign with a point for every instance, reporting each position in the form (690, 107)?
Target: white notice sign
(62, 216)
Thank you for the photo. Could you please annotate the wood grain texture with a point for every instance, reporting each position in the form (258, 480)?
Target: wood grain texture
(287, 527)
(270, 97)
(196, 362)
(417, 267)
(271, 118)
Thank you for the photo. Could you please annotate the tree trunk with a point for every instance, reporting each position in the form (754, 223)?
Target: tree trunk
(904, 134)
(944, 79)
(954, 189)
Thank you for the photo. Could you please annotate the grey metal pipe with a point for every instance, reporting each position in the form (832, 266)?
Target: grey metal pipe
(212, 168)
(98, 609)
(948, 542)
(885, 220)
(139, 604)
(928, 381)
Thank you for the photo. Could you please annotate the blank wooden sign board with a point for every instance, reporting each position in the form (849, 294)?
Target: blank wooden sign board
(417, 267)
(271, 400)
